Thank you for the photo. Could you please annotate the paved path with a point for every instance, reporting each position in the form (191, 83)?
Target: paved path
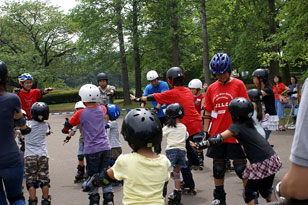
(63, 163)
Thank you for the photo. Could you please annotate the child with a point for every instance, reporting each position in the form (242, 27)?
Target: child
(36, 154)
(264, 162)
(176, 134)
(255, 97)
(144, 172)
(96, 143)
(80, 175)
(195, 86)
(113, 133)
(27, 95)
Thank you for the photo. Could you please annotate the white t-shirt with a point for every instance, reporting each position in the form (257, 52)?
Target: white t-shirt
(176, 136)
(35, 141)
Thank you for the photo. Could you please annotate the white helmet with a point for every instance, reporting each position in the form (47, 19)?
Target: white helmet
(79, 104)
(25, 76)
(195, 83)
(89, 93)
(152, 75)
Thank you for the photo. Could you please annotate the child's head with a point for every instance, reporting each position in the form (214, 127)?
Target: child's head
(255, 95)
(220, 67)
(40, 111)
(79, 105)
(175, 76)
(25, 81)
(102, 80)
(195, 86)
(141, 129)
(174, 111)
(241, 110)
(113, 111)
(260, 76)
(89, 94)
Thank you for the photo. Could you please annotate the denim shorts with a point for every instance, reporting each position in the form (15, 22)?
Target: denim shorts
(176, 157)
(80, 147)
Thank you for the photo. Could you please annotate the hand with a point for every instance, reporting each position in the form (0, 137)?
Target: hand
(194, 146)
(132, 97)
(90, 184)
(46, 90)
(202, 145)
(16, 90)
(67, 139)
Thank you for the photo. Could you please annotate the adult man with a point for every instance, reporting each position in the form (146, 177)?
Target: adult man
(107, 91)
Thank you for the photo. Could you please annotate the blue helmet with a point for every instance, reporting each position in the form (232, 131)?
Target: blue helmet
(113, 111)
(220, 63)
(25, 76)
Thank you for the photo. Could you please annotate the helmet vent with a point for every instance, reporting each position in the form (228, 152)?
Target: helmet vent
(142, 119)
(151, 118)
(136, 115)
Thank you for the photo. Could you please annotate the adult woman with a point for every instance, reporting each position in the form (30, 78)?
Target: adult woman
(11, 160)
(280, 89)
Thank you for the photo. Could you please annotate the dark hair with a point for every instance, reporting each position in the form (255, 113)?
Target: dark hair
(279, 78)
(171, 122)
(259, 110)
(3, 87)
(250, 123)
(294, 78)
(179, 81)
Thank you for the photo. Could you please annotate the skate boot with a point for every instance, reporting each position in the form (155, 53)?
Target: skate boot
(80, 174)
(201, 164)
(32, 202)
(94, 199)
(188, 189)
(46, 201)
(175, 197)
(108, 198)
(219, 198)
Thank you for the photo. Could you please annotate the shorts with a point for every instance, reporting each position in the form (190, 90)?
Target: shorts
(37, 171)
(279, 109)
(115, 152)
(226, 151)
(176, 157)
(80, 146)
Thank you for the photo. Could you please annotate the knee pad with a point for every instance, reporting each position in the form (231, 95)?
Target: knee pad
(44, 184)
(175, 176)
(16, 198)
(80, 157)
(239, 167)
(249, 196)
(35, 185)
(219, 168)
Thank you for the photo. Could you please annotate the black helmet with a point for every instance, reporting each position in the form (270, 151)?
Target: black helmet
(261, 73)
(255, 95)
(142, 128)
(175, 110)
(40, 111)
(3, 73)
(174, 72)
(101, 76)
(241, 109)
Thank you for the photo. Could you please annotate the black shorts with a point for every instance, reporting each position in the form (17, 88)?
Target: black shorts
(226, 151)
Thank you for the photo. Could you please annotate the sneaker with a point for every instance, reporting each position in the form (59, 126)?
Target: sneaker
(291, 127)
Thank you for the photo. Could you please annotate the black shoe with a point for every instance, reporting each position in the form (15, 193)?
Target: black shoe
(108, 198)
(94, 199)
(32, 202)
(175, 197)
(46, 201)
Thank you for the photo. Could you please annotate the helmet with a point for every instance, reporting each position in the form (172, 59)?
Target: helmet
(89, 93)
(24, 77)
(241, 109)
(113, 111)
(220, 63)
(175, 110)
(152, 75)
(255, 95)
(261, 73)
(79, 104)
(195, 83)
(3, 73)
(101, 76)
(174, 72)
(40, 111)
(141, 128)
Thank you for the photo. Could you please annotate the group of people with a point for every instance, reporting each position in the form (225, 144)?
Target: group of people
(226, 121)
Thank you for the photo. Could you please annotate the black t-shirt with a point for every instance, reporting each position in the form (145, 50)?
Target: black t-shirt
(269, 100)
(256, 147)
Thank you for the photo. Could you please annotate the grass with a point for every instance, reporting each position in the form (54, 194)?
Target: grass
(69, 107)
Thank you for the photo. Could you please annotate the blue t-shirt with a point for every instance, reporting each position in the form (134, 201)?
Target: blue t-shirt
(10, 155)
(161, 87)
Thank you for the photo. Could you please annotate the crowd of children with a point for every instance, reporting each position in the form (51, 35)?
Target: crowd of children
(228, 121)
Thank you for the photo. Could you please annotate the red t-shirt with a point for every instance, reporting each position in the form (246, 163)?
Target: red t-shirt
(278, 90)
(217, 99)
(192, 119)
(197, 100)
(28, 99)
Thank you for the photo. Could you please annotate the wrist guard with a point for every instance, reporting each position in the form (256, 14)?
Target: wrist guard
(150, 98)
(26, 131)
(216, 140)
(202, 145)
(67, 139)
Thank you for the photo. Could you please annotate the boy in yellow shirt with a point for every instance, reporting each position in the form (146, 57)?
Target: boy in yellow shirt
(144, 172)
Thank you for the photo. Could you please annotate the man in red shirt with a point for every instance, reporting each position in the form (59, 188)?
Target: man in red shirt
(27, 95)
(192, 119)
(217, 98)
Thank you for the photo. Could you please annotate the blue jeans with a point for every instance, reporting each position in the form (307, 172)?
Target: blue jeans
(96, 163)
(267, 134)
(11, 181)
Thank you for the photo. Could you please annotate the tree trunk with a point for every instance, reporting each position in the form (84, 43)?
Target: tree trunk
(286, 75)
(274, 64)
(175, 37)
(136, 49)
(205, 45)
(122, 53)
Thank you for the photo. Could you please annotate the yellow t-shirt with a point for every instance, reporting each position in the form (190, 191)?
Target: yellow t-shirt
(143, 177)
(176, 136)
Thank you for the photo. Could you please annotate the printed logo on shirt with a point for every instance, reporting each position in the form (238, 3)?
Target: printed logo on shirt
(221, 102)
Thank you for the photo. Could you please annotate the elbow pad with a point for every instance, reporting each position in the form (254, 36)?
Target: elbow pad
(67, 126)
(150, 98)
(20, 122)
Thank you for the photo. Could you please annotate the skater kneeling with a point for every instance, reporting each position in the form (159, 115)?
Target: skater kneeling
(144, 172)
(264, 162)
